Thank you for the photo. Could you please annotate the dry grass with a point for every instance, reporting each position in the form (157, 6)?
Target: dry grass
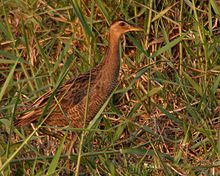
(163, 119)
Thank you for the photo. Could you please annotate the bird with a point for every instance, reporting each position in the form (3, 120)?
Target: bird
(101, 81)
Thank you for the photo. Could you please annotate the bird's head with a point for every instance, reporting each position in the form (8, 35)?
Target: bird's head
(120, 27)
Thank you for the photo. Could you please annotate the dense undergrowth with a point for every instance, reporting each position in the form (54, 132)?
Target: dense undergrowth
(163, 118)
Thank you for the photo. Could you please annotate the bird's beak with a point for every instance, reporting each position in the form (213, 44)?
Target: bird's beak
(135, 28)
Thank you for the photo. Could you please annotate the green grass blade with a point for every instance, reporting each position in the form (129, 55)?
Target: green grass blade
(193, 83)
(166, 38)
(63, 53)
(137, 151)
(25, 37)
(118, 132)
(9, 78)
(216, 84)
(215, 7)
(7, 33)
(168, 46)
(44, 55)
(81, 17)
(66, 66)
(12, 57)
(4, 61)
(160, 14)
(54, 163)
(171, 116)
(103, 10)
(138, 45)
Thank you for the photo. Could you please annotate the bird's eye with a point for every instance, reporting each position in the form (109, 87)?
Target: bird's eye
(122, 24)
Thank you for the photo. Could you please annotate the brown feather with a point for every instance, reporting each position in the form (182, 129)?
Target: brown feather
(103, 81)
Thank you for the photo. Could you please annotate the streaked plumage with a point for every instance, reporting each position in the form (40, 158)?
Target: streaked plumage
(103, 81)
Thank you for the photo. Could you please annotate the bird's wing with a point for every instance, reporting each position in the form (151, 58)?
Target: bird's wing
(70, 93)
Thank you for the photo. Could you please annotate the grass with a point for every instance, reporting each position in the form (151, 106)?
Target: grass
(163, 118)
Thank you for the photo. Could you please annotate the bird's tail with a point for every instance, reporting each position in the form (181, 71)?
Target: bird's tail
(26, 119)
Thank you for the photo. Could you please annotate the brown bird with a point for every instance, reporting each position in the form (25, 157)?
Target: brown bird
(102, 80)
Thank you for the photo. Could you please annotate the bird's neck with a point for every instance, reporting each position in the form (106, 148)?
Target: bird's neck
(109, 67)
(111, 60)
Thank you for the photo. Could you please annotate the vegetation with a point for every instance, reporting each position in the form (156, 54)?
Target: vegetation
(163, 118)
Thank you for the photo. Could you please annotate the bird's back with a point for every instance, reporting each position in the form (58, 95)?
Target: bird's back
(71, 96)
